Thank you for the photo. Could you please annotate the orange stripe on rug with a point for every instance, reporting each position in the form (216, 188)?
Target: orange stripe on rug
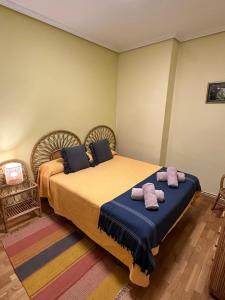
(40, 245)
(111, 285)
(70, 276)
(56, 266)
(35, 226)
(90, 281)
(59, 262)
(33, 238)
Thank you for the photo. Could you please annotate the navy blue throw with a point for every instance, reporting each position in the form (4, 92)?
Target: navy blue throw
(137, 229)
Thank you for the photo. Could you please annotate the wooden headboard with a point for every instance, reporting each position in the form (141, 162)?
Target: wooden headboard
(98, 133)
(48, 147)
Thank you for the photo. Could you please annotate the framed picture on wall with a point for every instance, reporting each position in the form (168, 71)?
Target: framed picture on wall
(216, 92)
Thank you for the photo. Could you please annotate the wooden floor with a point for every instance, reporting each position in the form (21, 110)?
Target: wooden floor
(183, 263)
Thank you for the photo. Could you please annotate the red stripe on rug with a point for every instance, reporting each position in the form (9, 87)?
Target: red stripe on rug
(35, 226)
(90, 281)
(31, 239)
(69, 277)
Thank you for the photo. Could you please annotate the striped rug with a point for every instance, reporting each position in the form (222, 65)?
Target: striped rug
(54, 260)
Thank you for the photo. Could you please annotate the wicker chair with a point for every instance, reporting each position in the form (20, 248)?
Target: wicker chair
(220, 199)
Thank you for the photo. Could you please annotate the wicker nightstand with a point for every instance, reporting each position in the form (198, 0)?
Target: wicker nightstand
(20, 199)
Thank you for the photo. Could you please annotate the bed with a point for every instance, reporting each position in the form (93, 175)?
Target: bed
(79, 196)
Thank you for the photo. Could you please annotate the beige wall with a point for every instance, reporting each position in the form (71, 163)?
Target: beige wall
(50, 80)
(169, 103)
(142, 87)
(196, 139)
(161, 112)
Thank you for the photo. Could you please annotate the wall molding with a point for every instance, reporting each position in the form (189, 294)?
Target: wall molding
(28, 12)
(181, 38)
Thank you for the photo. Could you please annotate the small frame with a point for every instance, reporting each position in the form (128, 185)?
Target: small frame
(216, 92)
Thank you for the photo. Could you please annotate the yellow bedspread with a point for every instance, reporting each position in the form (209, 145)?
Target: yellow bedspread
(79, 196)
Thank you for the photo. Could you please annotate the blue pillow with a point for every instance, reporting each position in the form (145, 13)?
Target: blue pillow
(100, 151)
(75, 159)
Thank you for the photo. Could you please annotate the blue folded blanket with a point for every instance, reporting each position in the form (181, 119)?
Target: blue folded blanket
(137, 229)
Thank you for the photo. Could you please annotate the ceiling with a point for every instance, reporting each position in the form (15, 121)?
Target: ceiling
(122, 25)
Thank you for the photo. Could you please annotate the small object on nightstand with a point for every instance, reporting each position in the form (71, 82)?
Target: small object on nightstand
(13, 173)
(19, 196)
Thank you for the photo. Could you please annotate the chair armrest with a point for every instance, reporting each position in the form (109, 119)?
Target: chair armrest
(222, 181)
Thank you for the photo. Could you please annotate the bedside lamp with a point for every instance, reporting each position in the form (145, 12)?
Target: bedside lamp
(13, 173)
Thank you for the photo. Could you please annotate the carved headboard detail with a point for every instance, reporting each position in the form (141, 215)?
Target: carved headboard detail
(48, 147)
(98, 133)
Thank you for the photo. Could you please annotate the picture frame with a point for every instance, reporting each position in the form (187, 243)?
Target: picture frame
(216, 92)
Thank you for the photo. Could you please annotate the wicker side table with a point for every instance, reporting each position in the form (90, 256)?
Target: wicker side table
(20, 199)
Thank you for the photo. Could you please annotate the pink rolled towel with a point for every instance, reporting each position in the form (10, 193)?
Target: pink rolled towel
(138, 194)
(160, 196)
(181, 177)
(150, 196)
(162, 176)
(172, 179)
